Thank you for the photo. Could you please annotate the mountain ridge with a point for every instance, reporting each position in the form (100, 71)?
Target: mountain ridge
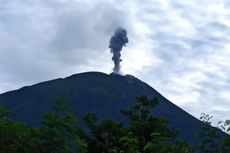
(95, 92)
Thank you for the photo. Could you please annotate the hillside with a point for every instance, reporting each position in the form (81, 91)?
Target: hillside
(95, 92)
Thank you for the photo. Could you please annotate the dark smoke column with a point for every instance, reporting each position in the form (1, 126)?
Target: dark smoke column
(117, 41)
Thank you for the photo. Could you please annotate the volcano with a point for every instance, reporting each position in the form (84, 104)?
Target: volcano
(95, 92)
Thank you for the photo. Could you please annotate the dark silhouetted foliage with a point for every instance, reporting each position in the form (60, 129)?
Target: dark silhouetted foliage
(144, 133)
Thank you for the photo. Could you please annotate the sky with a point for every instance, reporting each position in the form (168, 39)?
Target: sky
(180, 48)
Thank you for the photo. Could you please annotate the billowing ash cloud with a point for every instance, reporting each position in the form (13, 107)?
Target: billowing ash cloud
(117, 41)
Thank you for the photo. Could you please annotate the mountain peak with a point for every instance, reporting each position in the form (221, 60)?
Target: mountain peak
(95, 92)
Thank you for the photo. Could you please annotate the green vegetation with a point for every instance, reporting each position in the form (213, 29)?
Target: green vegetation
(56, 135)
(210, 140)
(144, 133)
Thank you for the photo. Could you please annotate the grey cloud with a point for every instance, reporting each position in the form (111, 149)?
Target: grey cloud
(41, 40)
(42, 37)
(78, 29)
(85, 33)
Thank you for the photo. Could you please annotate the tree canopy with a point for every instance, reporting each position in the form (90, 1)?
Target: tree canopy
(144, 133)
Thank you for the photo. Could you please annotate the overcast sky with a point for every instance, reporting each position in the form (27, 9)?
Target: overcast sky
(181, 48)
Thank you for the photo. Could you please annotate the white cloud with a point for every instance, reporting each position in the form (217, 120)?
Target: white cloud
(179, 47)
(190, 40)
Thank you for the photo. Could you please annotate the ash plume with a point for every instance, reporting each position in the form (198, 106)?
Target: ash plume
(117, 41)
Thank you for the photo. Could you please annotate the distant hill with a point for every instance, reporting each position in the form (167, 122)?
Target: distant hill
(95, 92)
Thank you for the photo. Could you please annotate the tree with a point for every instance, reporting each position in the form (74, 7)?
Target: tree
(210, 140)
(14, 135)
(143, 134)
(56, 135)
